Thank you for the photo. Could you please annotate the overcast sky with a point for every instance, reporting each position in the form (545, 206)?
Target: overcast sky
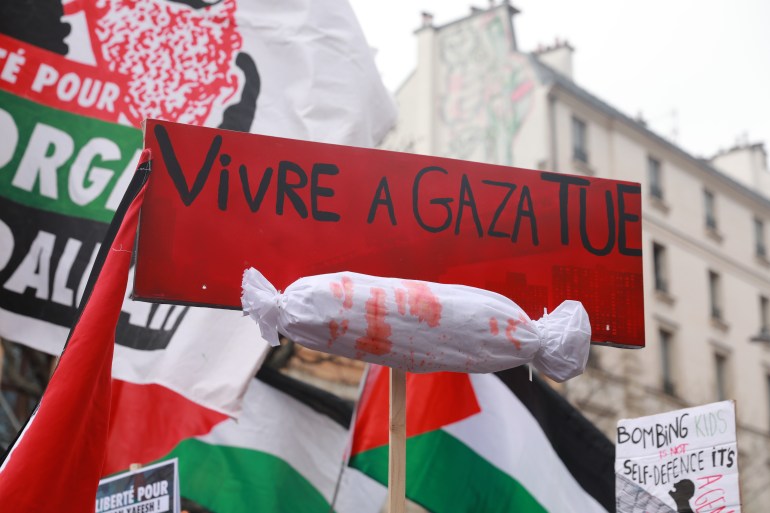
(698, 71)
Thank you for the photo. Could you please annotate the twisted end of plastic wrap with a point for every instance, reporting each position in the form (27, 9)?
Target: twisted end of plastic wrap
(260, 301)
(565, 339)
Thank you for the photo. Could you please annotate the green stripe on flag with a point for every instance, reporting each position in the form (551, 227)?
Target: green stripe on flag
(436, 485)
(235, 480)
(64, 163)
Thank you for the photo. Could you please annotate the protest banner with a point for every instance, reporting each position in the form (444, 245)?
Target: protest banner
(54, 210)
(292, 208)
(686, 460)
(229, 201)
(154, 488)
(76, 79)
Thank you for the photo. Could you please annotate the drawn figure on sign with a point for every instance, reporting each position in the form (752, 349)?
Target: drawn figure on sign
(632, 498)
(180, 58)
(682, 492)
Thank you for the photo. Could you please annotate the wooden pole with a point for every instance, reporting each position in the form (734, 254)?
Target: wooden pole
(397, 449)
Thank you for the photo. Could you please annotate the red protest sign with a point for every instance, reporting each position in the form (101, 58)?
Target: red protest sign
(219, 202)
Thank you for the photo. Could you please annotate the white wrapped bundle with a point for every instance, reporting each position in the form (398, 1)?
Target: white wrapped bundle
(418, 326)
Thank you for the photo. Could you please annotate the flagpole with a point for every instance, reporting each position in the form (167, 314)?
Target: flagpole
(397, 447)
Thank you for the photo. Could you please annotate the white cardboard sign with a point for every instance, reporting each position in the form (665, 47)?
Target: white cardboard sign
(684, 459)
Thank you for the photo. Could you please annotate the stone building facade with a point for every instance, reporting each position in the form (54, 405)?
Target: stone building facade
(475, 96)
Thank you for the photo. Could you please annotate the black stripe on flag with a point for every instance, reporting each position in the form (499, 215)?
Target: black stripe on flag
(586, 452)
(323, 402)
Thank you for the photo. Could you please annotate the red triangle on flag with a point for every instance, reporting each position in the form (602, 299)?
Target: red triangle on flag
(440, 398)
(148, 420)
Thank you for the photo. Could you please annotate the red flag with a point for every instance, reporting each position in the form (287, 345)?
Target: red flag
(56, 462)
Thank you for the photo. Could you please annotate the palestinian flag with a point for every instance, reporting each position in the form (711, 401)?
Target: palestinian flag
(67, 434)
(285, 453)
(488, 443)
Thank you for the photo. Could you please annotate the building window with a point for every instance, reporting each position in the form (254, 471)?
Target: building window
(666, 361)
(661, 269)
(764, 321)
(768, 391)
(710, 209)
(579, 140)
(715, 295)
(759, 238)
(720, 373)
(653, 175)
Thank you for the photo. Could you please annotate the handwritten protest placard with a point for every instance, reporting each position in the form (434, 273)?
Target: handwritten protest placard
(219, 202)
(685, 459)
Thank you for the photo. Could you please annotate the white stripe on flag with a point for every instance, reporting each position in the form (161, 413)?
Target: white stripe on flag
(210, 358)
(506, 435)
(313, 444)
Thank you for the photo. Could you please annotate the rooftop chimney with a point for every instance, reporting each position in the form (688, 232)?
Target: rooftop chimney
(747, 164)
(427, 19)
(558, 56)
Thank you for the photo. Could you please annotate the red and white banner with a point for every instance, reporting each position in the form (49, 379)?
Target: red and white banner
(75, 82)
(76, 79)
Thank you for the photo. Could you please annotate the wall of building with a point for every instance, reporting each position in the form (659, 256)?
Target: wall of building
(630, 383)
(498, 106)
